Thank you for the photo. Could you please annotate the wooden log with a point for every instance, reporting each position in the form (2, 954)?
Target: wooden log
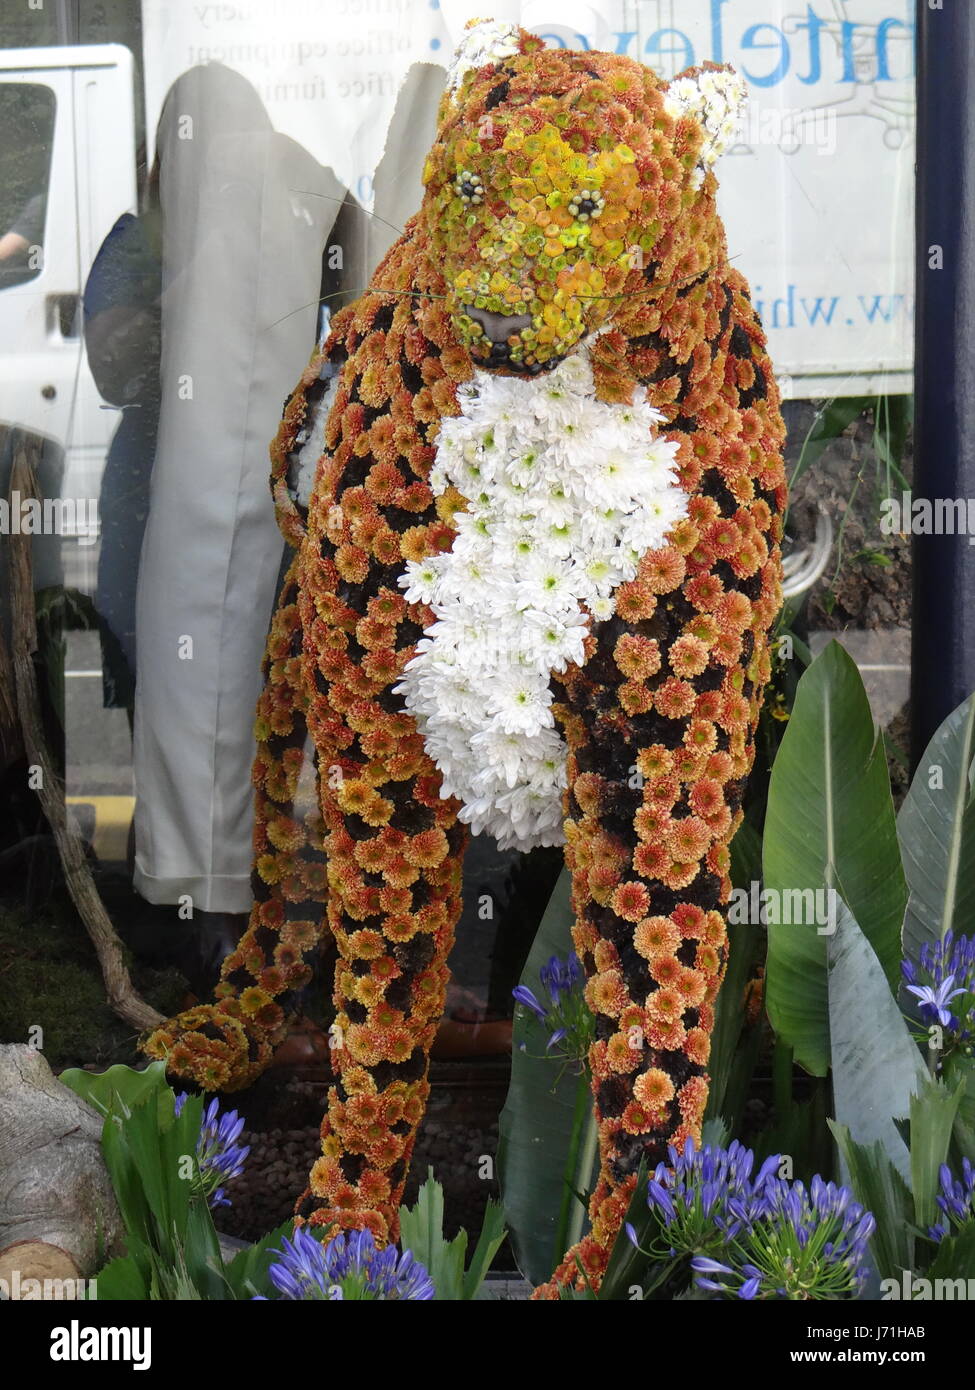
(58, 1214)
(122, 995)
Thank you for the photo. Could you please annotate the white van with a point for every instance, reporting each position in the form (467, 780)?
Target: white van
(67, 172)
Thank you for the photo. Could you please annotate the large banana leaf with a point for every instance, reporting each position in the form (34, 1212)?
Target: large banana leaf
(540, 1119)
(936, 828)
(829, 824)
(876, 1065)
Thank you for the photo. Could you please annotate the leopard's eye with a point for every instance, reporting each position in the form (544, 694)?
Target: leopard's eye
(468, 187)
(587, 205)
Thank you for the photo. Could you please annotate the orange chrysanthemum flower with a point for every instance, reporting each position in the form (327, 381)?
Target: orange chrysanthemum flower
(656, 936)
(653, 1089)
(697, 1045)
(631, 901)
(688, 656)
(606, 993)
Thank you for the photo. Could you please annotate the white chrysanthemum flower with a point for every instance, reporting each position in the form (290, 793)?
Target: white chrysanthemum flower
(565, 492)
(488, 41)
(418, 581)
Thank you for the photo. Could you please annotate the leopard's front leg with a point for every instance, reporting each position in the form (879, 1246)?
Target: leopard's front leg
(660, 725)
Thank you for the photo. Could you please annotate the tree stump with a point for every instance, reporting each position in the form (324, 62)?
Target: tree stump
(58, 1214)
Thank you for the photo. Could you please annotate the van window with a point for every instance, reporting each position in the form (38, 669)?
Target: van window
(26, 140)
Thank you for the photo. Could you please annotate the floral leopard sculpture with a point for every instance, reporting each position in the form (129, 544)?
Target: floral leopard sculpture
(532, 594)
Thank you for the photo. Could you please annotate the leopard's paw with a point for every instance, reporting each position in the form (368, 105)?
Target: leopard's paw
(214, 1045)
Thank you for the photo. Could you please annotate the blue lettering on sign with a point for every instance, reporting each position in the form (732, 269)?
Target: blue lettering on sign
(749, 40)
(653, 48)
(802, 46)
(814, 24)
(795, 310)
(717, 44)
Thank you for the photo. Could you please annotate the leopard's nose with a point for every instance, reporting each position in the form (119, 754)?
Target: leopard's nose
(498, 327)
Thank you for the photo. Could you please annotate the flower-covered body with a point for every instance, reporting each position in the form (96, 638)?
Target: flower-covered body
(576, 179)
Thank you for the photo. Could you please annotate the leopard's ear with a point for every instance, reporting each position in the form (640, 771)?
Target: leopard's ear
(485, 41)
(715, 95)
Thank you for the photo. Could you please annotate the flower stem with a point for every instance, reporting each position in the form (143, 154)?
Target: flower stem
(578, 1167)
(583, 1173)
(782, 1079)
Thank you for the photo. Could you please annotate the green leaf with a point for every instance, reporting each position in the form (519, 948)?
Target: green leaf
(123, 1278)
(956, 1257)
(746, 856)
(936, 828)
(802, 1134)
(119, 1088)
(959, 1071)
(488, 1243)
(880, 1189)
(628, 1267)
(247, 1273)
(831, 420)
(201, 1252)
(876, 1065)
(126, 1182)
(543, 1114)
(732, 1050)
(421, 1231)
(893, 415)
(829, 824)
(933, 1114)
(163, 1146)
(744, 939)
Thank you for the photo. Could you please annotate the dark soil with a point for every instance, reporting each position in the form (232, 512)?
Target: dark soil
(457, 1140)
(50, 979)
(867, 583)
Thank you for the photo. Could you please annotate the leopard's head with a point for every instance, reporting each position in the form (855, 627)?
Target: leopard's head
(563, 183)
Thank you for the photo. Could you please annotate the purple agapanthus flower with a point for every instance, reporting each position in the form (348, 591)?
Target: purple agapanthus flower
(758, 1237)
(348, 1267)
(956, 1199)
(937, 998)
(943, 973)
(566, 1015)
(219, 1157)
(706, 1194)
